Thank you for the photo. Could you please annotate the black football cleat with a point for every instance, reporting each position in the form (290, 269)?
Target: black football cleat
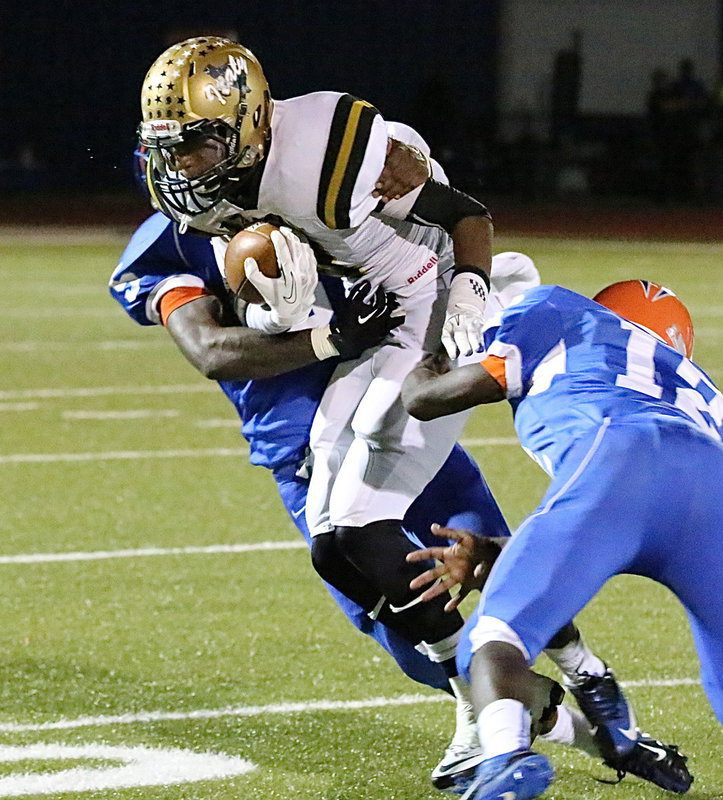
(656, 762)
(612, 718)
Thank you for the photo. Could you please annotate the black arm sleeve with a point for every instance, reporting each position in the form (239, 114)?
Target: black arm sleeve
(442, 205)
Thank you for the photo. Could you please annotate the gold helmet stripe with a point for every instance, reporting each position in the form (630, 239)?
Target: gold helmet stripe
(345, 150)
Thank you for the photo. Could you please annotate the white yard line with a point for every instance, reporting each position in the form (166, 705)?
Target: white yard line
(490, 441)
(121, 455)
(106, 391)
(141, 552)
(138, 413)
(214, 452)
(30, 406)
(273, 708)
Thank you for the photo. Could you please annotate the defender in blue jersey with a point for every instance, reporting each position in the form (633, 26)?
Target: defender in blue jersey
(276, 413)
(630, 430)
(165, 277)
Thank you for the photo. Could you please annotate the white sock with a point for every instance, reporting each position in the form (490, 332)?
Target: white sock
(576, 658)
(572, 728)
(563, 731)
(504, 726)
(465, 732)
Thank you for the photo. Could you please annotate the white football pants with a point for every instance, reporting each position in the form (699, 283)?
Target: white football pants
(370, 458)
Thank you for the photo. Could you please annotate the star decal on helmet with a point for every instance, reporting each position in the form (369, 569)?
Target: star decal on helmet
(201, 88)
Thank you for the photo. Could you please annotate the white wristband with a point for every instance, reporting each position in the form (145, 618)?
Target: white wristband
(321, 344)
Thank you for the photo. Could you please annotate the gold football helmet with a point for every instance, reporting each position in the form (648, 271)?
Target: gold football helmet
(201, 89)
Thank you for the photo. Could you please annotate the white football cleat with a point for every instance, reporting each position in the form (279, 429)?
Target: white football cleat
(456, 771)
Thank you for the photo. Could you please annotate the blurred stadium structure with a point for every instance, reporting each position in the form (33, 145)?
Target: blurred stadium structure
(518, 98)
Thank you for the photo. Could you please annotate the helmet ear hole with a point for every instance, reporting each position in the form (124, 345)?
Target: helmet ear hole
(655, 308)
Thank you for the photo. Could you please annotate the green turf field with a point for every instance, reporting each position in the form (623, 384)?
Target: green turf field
(112, 444)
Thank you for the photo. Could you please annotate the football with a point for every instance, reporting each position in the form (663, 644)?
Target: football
(252, 242)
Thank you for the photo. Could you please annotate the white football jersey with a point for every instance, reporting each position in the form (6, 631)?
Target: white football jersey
(327, 151)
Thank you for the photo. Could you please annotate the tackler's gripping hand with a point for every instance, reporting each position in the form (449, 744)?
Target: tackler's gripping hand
(406, 167)
(367, 319)
(290, 296)
(465, 318)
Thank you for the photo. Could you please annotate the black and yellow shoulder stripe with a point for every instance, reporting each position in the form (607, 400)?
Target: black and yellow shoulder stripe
(348, 138)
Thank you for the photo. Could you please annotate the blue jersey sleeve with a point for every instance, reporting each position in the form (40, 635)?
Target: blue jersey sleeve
(276, 413)
(157, 259)
(524, 346)
(569, 364)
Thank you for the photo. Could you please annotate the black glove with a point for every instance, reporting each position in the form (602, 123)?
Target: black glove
(365, 321)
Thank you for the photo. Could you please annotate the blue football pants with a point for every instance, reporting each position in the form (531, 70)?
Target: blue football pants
(633, 497)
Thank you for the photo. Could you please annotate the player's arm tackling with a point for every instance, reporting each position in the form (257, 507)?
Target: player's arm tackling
(434, 390)
(223, 351)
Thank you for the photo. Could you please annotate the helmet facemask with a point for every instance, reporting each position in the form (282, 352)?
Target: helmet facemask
(197, 193)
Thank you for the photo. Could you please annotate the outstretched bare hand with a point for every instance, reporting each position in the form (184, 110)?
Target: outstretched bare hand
(465, 563)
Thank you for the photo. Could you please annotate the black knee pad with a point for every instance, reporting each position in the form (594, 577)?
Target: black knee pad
(324, 554)
(378, 551)
(336, 570)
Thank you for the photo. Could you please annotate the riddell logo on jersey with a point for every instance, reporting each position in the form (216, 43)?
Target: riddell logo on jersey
(431, 263)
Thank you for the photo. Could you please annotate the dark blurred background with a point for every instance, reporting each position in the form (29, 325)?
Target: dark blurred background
(519, 98)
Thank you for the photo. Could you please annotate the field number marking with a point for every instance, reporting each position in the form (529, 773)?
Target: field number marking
(140, 766)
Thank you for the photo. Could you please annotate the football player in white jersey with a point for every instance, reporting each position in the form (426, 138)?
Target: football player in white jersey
(223, 154)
